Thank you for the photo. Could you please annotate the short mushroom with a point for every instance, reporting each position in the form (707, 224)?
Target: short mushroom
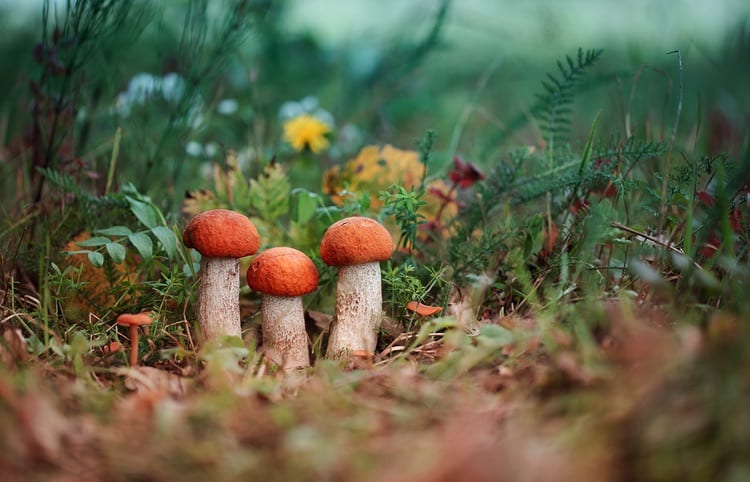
(221, 237)
(133, 321)
(283, 275)
(356, 245)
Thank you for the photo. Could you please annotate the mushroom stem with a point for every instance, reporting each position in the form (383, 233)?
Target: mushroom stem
(359, 303)
(133, 345)
(284, 336)
(218, 309)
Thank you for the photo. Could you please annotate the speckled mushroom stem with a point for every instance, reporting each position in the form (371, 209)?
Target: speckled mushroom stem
(359, 303)
(218, 295)
(284, 335)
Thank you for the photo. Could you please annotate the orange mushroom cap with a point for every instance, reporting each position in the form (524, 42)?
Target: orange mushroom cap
(282, 271)
(355, 240)
(221, 233)
(135, 319)
(423, 310)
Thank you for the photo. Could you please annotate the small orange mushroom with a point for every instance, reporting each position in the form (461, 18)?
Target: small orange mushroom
(133, 321)
(112, 347)
(422, 310)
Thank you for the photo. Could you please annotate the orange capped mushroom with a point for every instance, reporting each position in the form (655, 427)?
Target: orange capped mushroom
(283, 275)
(221, 237)
(356, 245)
(133, 321)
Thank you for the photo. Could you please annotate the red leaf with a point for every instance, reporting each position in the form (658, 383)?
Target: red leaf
(706, 198)
(465, 174)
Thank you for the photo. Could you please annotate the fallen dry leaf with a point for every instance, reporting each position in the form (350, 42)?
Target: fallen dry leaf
(13, 347)
(145, 379)
(422, 310)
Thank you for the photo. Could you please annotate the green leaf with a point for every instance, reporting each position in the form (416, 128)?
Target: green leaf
(269, 193)
(79, 345)
(303, 205)
(167, 239)
(589, 149)
(707, 280)
(115, 231)
(145, 213)
(142, 242)
(96, 258)
(95, 241)
(495, 335)
(647, 273)
(116, 251)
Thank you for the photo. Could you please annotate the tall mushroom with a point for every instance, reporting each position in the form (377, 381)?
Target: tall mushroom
(133, 321)
(221, 237)
(356, 245)
(283, 275)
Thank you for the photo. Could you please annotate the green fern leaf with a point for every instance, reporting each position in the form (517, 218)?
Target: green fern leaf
(553, 108)
(269, 193)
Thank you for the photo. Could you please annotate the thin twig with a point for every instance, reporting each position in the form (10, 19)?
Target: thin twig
(654, 240)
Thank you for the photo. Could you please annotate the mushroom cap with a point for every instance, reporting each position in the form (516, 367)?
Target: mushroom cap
(355, 240)
(422, 310)
(135, 319)
(220, 233)
(282, 271)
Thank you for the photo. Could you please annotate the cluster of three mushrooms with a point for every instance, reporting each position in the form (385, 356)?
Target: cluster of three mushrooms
(356, 245)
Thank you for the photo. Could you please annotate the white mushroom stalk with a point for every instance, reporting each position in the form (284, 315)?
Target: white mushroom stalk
(218, 308)
(284, 337)
(359, 304)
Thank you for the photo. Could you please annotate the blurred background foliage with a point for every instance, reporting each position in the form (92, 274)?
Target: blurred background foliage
(385, 71)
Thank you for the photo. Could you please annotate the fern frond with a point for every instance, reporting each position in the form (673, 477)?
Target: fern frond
(508, 183)
(70, 185)
(65, 182)
(632, 151)
(553, 108)
(269, 193)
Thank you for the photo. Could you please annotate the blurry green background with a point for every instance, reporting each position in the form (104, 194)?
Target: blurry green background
(527, 27)
(539, 27)
(353, 56)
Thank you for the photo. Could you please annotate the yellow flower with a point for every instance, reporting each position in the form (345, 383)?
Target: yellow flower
(306, 131)
(375, 168)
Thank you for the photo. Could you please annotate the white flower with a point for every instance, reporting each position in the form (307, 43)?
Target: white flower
(211, 149)
(308, 105)
(194, 149)
(172, 87)
(227, 107)
(290, 110)
(141, 87)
